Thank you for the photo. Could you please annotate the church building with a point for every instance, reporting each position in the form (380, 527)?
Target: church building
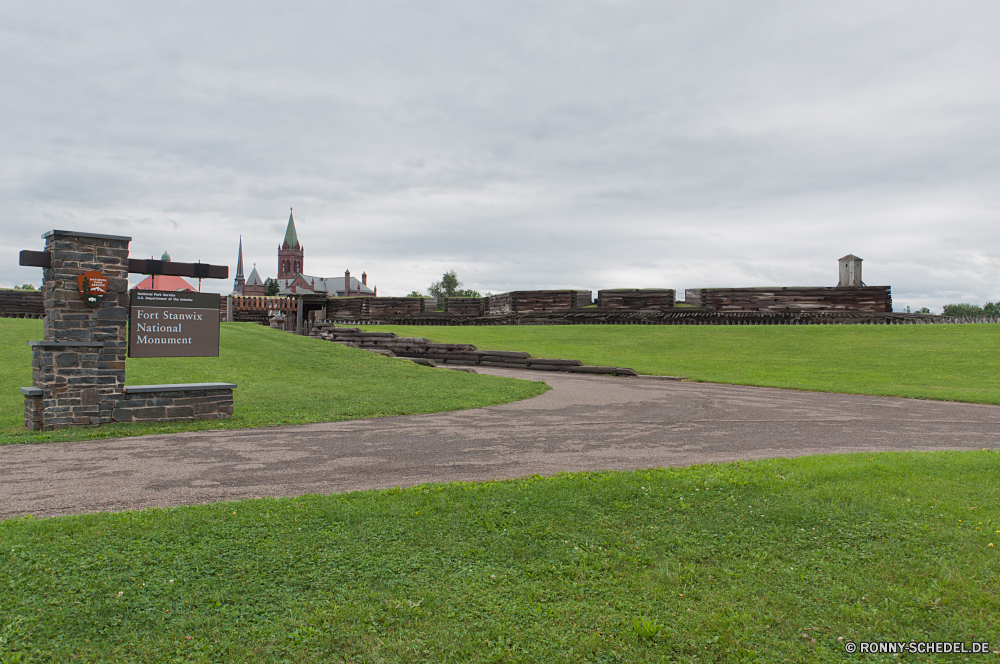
(252, 286)
(291, 278)
(293, 281)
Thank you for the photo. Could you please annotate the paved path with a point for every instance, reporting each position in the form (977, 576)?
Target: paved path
(583, 423)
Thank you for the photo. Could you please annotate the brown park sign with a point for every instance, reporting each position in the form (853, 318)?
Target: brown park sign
(93, 287)
(173, 324)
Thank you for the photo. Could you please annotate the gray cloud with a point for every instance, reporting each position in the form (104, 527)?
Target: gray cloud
(526, 145)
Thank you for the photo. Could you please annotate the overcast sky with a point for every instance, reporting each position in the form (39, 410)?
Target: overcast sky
(523, 144)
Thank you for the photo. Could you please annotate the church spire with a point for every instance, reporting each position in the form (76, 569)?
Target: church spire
(239, 261)
(239, 281)
(291, 238)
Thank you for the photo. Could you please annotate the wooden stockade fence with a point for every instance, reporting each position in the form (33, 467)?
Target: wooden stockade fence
(260, 308)
(263, 303)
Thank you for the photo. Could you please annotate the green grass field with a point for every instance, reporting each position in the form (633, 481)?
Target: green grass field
(282, 379)
(770, 561)
(949, 362)
(774, 561)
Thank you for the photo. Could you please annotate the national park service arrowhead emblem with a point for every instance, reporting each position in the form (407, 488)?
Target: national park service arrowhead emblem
(93, 286)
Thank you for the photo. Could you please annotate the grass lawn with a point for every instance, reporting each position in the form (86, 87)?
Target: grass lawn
(282, 379)
(770, 561)
(948, 362)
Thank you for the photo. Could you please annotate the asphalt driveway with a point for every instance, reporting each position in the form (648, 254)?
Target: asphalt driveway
(583, 423)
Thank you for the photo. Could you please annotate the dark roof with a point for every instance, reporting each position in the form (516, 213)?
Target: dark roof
(851, 257)
(291, 237)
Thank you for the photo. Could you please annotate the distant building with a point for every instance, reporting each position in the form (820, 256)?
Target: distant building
(165, 282)
(850, 271)
(346, 286)
(292, 281)
(254, 284)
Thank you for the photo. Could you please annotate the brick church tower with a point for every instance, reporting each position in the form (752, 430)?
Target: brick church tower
(290, 253)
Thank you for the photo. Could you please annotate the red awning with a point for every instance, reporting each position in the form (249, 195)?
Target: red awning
(166, 282)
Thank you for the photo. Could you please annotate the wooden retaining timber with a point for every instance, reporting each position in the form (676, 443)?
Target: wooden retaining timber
(635, 299)
(465, 306)
(458, 355)
(353, 307)
(677, 317)
(21, 304)
(876, 299)
(794, 306)
(692, 297)
(579, 298)
(345, 307)
(383, 306)
(519, 302)
(499, 305)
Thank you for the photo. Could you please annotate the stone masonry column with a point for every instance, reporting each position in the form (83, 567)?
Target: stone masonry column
(80, 365)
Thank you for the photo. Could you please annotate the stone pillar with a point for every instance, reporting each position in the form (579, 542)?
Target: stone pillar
(299, 322)
(229, 309)
(80, 365)
(32, 407)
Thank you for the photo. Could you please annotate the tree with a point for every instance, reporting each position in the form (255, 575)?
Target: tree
(446, 287)
(991, 308)
(415, 294)
(25, 287)
(467, 293)
(271, 286)
(923, 310)
(963, 310)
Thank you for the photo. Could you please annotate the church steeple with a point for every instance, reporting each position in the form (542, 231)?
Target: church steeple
(291, 237)
(290, 252)
(239, 282)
